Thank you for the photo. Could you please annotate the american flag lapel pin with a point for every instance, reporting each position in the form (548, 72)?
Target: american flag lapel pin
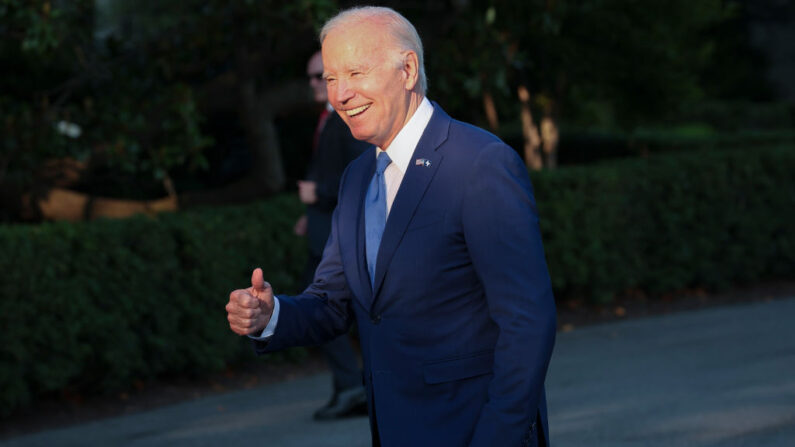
(422, 162)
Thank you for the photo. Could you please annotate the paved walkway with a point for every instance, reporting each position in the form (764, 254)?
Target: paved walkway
(716, 377)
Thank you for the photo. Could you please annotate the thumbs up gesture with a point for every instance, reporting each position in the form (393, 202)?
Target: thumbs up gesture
(249, 310)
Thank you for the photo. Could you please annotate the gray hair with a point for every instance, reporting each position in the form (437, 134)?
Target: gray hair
(399, 28)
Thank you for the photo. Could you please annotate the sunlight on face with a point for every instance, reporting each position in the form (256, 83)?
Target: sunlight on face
(365, 83)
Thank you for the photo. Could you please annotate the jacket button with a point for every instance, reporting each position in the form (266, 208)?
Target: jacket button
(375, 319)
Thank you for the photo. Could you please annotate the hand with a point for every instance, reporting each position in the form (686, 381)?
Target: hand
(249, 310)
(300, 226)
(307, 192)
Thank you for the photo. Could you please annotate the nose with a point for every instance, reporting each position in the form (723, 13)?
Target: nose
(342, 91)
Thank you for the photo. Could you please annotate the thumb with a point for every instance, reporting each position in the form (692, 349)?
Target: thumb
(257, 281)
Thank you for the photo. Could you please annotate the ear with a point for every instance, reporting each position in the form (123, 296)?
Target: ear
(411, 70)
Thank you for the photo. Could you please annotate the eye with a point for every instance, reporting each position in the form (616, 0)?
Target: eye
(330, 80)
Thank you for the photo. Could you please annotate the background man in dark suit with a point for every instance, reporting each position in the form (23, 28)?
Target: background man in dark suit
(333, 148)
(434, 251)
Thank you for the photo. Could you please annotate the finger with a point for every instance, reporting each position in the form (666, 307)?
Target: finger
(243, 299)
(237, 311)
(245, 326)
(265, 296)
(257, 281)
(240, 322)
(238, 328)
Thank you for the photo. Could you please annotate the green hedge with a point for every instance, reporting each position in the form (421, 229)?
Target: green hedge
(93, 307)
(580, 146)
(733, 115)
(701, 219)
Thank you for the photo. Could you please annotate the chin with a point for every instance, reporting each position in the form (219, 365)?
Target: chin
(359, 137)
(357, 133)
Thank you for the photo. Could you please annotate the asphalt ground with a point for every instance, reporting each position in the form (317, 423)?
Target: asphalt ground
(721, 376)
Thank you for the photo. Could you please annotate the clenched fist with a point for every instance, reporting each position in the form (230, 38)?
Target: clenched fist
(249, 310)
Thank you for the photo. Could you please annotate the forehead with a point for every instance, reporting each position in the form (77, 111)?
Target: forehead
(352, 46)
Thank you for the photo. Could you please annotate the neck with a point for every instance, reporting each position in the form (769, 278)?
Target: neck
(414, 100)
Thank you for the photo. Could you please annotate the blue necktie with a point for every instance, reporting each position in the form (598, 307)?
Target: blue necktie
(375, 213)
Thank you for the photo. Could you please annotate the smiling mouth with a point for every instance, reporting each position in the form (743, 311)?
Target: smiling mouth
(357, 110)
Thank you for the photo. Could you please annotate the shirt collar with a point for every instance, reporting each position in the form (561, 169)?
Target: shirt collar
(402, 147)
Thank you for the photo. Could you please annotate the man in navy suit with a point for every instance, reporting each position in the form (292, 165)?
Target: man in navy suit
(434, 251)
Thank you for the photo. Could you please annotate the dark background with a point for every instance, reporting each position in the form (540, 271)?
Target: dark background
(206, 102)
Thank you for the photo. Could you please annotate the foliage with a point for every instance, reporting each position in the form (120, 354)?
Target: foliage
(706, 124)
(737, 70)
(94, 307)
(76, 97)
(611, 62)
(729, 116)
(119, 84)
(129, 87)
(587, 146)
(671, 221)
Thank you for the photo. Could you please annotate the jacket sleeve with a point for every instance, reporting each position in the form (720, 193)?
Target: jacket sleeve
(503, 237)
(319, 314)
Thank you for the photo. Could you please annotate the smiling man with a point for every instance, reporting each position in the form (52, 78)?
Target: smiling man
(435, 252)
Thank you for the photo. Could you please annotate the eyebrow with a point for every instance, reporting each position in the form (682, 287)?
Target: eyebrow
(348, 70)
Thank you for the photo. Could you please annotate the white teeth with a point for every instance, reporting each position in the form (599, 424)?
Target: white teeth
(357, 110)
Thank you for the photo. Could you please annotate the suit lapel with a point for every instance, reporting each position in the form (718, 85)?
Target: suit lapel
(412, 188)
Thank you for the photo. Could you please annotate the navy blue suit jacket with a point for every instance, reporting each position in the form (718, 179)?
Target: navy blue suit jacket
(458, 330)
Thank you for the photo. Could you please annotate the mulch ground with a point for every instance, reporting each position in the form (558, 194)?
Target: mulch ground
(68, 409)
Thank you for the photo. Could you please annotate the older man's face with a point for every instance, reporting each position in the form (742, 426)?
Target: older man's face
(367, 88)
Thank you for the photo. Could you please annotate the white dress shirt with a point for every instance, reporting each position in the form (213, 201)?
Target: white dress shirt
(402, 148)
(400, 151)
